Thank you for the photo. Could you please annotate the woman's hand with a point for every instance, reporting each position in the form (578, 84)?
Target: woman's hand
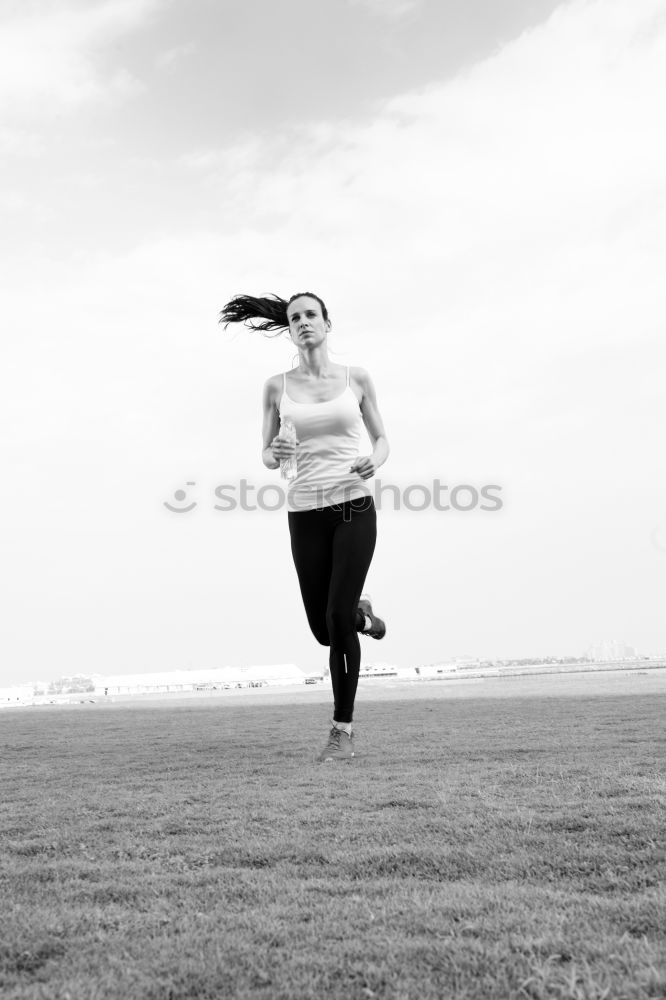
(365, 466)
(282, 449)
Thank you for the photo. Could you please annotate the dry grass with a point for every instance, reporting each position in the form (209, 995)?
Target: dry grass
(476, 849)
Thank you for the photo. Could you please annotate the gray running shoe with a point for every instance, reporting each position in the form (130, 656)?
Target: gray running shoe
(340, 746)
(378, 630)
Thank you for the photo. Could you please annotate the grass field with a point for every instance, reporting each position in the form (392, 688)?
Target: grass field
(477, 848)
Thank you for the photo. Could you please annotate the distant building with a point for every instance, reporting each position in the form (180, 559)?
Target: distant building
(378, 670)
(178, 681)
(611, 649)
(467, 662)
(436, 669)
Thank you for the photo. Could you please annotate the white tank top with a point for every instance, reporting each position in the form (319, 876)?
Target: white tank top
(329, 435)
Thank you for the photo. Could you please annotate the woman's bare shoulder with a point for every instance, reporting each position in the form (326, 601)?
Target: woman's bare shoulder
(274, 381)
(359, 375)
(272, 386)
(358, 379)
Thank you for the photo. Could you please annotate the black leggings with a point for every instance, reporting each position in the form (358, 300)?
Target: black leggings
(332, 550)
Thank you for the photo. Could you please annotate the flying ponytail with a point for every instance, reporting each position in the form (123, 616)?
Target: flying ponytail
(271, 309)
(245, 308)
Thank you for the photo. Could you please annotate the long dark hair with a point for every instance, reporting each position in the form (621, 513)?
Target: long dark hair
(271, 309)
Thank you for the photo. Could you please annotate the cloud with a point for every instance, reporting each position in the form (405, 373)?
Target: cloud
(48, 54)
(393, 10)
(502, 234)
(524, 200)
(170, 58)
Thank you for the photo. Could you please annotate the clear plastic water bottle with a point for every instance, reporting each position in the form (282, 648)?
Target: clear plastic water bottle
(288, 433)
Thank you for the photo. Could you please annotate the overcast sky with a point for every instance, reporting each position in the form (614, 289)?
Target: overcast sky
(477, 191)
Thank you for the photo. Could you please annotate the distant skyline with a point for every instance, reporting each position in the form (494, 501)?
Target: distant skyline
(289, 673)
(600, 652)
(478, 192)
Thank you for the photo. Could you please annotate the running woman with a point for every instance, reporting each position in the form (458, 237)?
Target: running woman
(330, 510)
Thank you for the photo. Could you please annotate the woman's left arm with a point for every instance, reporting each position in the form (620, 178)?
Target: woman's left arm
(367, 466)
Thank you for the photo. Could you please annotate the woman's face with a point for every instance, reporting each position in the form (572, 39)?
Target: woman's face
(307, 326)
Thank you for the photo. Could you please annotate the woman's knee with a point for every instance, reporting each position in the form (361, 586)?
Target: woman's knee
(320, 632)
(339, 623)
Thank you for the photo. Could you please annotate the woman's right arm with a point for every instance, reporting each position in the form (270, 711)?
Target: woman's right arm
(275, 449)
(271, 426)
